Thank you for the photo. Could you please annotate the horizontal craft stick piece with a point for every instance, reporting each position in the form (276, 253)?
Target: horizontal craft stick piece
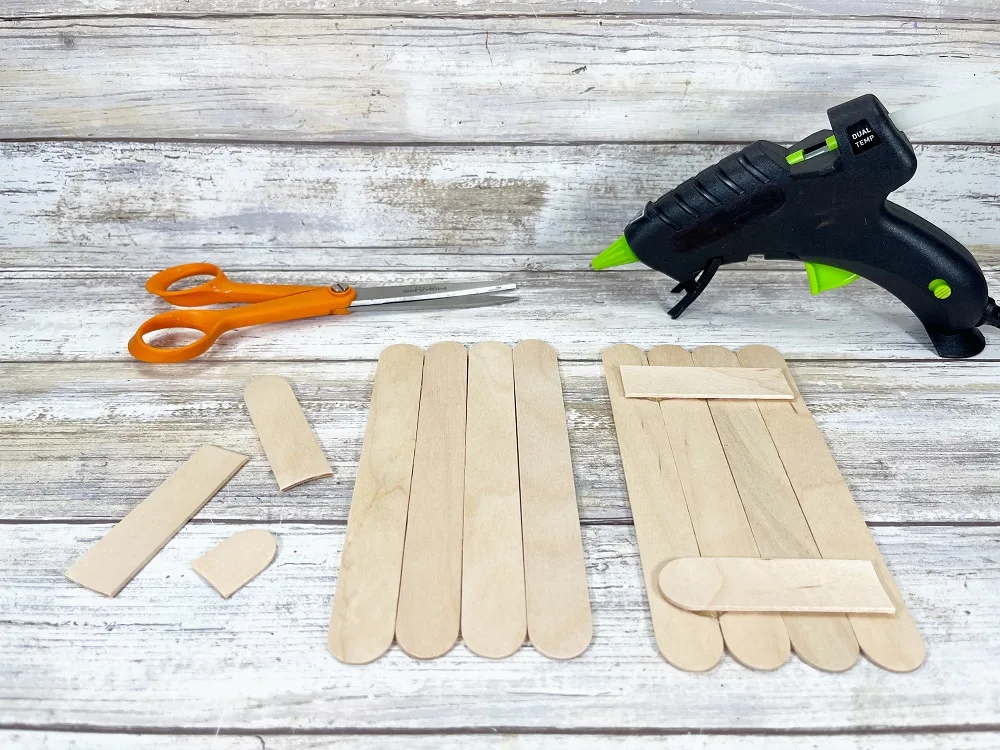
(494, 617)
(892, 642)
(660, 515)
(234, 562)
(122, 552)
(555, 576)
(747, 584)
(824, 641)
(363, 618)
(705, 382)
(759, 641)
(289, 442)
(430, 589)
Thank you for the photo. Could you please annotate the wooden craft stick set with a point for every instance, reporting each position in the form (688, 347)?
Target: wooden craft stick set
(464, 516)
(725, 470)
(464, 522)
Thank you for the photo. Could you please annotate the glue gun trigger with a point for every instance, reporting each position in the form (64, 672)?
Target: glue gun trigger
(693, 288)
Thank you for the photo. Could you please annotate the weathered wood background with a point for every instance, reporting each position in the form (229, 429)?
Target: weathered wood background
(381, 141)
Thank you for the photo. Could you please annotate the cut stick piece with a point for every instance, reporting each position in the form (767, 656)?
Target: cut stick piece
(363, 619)
(671, 382)
(494, 619)
(289, 442)
(892, 642)
(555, 576)
(824, 641)
(720, 525)
(746, 584)
(430, 590)
(124, 551)
(662, 525)
(234, 562)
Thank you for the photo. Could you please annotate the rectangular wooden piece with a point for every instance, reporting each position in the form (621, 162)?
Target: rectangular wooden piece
(746, 584)
(673, 382)
(132, 542)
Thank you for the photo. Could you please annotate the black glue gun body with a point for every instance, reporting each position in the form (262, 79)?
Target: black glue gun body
(822, 202)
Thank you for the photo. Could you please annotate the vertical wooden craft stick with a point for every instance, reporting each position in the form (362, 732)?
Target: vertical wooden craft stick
(430, 589)
(720, 524)
(662, 525)
(494, 619)
(363, 619)
(891, 641)
(555, 576)
(779, 528)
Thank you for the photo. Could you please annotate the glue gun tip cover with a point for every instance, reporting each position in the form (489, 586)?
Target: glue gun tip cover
(618, 253)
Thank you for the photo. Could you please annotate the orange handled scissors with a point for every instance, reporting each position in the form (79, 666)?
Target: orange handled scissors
(271, 303)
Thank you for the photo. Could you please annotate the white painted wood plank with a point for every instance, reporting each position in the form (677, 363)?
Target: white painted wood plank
(961, 9)
(524, 79)
(168, 652)
(122, 425)
(90, 315)
(75, 740)
(370, 207)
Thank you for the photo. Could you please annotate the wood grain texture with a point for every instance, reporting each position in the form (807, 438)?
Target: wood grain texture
(779, 527)
(749, 584)
(81, 740)
(717, 516)
(259, 653)
(494, 618)
(291, 447)
(577, 313)
(121, 553)
(234, 562)
(524, 79)
(555, 579)
(429, 613)
(959, 9)
(125, 426)
(667, 382)
(835, 521)
(662, 523)
(363, 618)
(336, 208)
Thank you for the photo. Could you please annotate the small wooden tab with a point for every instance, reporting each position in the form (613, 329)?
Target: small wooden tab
(660, 515)
(758, 641)
(430, 590)
(669, 382)
(363, 618)
(124, 551)
(745, 584)
(555, 576)
(779, 528)
(893, 642)
(234, 562)
(289, 442)
(494, 618)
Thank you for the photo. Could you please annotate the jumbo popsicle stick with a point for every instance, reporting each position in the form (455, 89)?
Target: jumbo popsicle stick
(363, 618)
(430, 590)
(555, 577)
(720, 525)
(669, 382)
(893, 641)
(662, 525)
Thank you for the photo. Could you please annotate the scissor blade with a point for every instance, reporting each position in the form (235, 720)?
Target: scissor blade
(386, 295)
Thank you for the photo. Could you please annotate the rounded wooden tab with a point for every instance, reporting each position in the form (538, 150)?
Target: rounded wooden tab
(234, 562)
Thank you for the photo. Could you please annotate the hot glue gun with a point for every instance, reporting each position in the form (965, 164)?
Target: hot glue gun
(823, 202)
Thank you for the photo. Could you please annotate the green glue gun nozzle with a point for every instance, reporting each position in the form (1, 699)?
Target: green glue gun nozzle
(618, 253)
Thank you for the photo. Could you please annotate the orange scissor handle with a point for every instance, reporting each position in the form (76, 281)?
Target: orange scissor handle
(217, 289)
(213, 323)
